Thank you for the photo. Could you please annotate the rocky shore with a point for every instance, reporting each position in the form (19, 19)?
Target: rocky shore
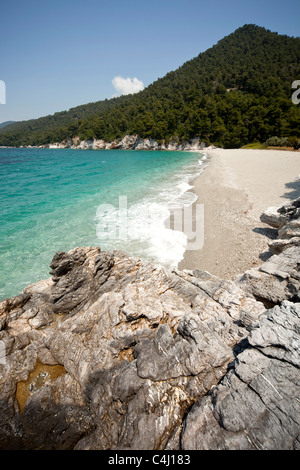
(128, 142)
(111, 353)
(235, 188)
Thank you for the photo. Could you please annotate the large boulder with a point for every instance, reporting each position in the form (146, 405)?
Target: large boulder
(256, 405)
(278, 278)
(110, 353)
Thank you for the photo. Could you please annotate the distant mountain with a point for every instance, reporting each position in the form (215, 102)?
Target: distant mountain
(6, 123)
(237, 92)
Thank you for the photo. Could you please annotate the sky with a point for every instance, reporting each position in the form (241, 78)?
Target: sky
(58, 54)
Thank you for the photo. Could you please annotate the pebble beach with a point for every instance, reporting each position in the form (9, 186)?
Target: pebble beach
(235, 188)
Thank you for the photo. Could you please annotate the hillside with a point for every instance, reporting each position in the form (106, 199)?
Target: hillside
(6, 123)
(237, 92)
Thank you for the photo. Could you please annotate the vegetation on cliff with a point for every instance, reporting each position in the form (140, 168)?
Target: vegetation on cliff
(237, 92)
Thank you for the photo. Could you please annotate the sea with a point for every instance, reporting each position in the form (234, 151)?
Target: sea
(58, 199)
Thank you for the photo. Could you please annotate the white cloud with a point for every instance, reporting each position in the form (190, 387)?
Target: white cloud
(127, 86)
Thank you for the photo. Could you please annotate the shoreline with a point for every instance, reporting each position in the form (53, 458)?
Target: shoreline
(235, 187)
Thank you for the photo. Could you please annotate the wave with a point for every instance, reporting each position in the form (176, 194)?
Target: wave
(143, 228)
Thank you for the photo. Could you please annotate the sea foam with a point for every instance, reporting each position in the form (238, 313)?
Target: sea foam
(143, 228)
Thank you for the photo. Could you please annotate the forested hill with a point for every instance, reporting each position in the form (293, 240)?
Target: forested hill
(6, 123)
(237, 92)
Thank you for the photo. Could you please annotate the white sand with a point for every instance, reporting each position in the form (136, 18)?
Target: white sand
(235, 188)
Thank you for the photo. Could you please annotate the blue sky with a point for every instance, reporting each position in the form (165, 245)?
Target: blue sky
(62, 53)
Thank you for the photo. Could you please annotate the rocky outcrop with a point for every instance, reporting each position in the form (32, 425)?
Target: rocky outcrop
(130, 142)
(111, 353)
(256, 405)
(278, 278)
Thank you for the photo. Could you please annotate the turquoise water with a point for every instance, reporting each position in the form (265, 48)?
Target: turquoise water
(54, 200)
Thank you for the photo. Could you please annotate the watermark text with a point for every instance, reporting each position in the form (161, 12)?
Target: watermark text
(2, 352)
(119, 223)
(2, 92)
(296, 94)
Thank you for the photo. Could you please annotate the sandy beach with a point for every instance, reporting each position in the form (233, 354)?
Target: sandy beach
(235, 188)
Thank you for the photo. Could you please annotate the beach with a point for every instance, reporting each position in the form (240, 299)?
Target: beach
(235, 188)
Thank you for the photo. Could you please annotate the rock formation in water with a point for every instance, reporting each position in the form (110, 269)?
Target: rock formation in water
(111, 353)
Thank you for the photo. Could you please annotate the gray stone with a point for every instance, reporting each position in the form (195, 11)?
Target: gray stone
(256, 405)
(278, 278)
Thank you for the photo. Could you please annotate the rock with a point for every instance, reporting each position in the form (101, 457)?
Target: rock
(289, 230)
(283, 265)
(256, 405)
(278, 278)
(272, 217)
(58, 410)
(193, 350)
(132, 142)
(277, 217)
(137, 344)
(277, 246)
(290, 210)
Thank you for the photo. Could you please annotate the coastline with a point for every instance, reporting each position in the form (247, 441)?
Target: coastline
(68, 210)
(235, 188)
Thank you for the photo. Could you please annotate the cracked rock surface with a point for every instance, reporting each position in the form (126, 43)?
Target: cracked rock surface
(256, 405)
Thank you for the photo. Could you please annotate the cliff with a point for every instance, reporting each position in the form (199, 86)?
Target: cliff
(128, 142)
(111, 353)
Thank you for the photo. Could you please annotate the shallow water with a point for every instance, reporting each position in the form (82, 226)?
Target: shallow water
(57, 199)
